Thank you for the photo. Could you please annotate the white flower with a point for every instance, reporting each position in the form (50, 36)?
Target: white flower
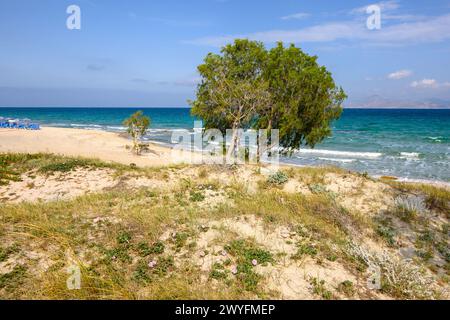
(254, 262)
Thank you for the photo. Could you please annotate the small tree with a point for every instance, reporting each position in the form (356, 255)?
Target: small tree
(248, 86)
(137, 125)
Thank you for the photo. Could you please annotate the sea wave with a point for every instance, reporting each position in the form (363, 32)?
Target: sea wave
(338, 160)
(85, 125)
(347, 154)
(120, 128)
(438, 139)
(410, 155)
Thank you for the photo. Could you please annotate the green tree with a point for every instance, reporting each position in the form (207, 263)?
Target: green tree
(304, 98)
(137, 125)
(247, 86)
(232, 89)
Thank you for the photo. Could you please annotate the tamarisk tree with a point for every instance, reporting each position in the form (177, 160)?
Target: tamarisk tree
(250, 87)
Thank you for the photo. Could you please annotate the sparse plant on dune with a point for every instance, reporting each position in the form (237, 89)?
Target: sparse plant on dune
(279, 178)
(407, 208)
(399, 277)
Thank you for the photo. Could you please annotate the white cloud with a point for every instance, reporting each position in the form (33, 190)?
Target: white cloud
(385, 6)
(425, 83)
(300, 15)
(429, 83)
(433, 29)
(400, 74)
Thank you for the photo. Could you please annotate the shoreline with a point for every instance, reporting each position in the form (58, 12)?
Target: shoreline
(111, 146)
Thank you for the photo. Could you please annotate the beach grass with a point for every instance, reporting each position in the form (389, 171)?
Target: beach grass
(113, 235)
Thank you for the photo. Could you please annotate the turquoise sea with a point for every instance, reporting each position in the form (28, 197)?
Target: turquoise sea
(411, 144)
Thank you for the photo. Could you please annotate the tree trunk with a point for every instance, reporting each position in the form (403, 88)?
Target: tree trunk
(233, 143)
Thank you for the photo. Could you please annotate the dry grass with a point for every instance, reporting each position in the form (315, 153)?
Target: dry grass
(110, 235)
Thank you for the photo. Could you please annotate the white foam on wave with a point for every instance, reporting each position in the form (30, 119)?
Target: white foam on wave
(338, 160)
(85, 125)
(435, 139)
(409, 155)
(348, 154)
(115, 128)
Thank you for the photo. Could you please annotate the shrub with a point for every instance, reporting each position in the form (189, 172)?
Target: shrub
(347, 288)
(399, 277)
(320, 289)
(196, 196)
(407, 208)
(278, 178)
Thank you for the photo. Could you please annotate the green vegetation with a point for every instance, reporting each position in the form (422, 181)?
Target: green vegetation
(196, 196)
(347, 288)
(303, 250)
(247, 86)
(13, 279)
(137, 125)
(6, 252)
(409, 208)
(319, 288)
(219, 272)
(13, 165)
(436, 198)
(278, 178)
(144, 243)
(246, 254)
(146, 250)
(385, 230)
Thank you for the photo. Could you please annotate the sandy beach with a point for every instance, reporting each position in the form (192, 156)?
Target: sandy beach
(106, 146)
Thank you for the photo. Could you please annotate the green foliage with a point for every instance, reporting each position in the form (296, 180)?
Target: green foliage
(12, 165)
(180, 239)
(6, 252)
(248, 252)
(137, 125)
(119, 253)
(304, 97)
(245, 253)
(124, 237)
(196, 196)
(141, 273)
(6, 172)
(347, 288)
(163, 266)
(13, 279)
(278, 178)
(320, 189)
(64, 165)
(384, 228)
(218, 272)
(248, 86)
(319, 288)
(387, 233)
(145, 250)
(304, 249)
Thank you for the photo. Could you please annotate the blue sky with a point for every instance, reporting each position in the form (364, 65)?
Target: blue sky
(145, 53)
